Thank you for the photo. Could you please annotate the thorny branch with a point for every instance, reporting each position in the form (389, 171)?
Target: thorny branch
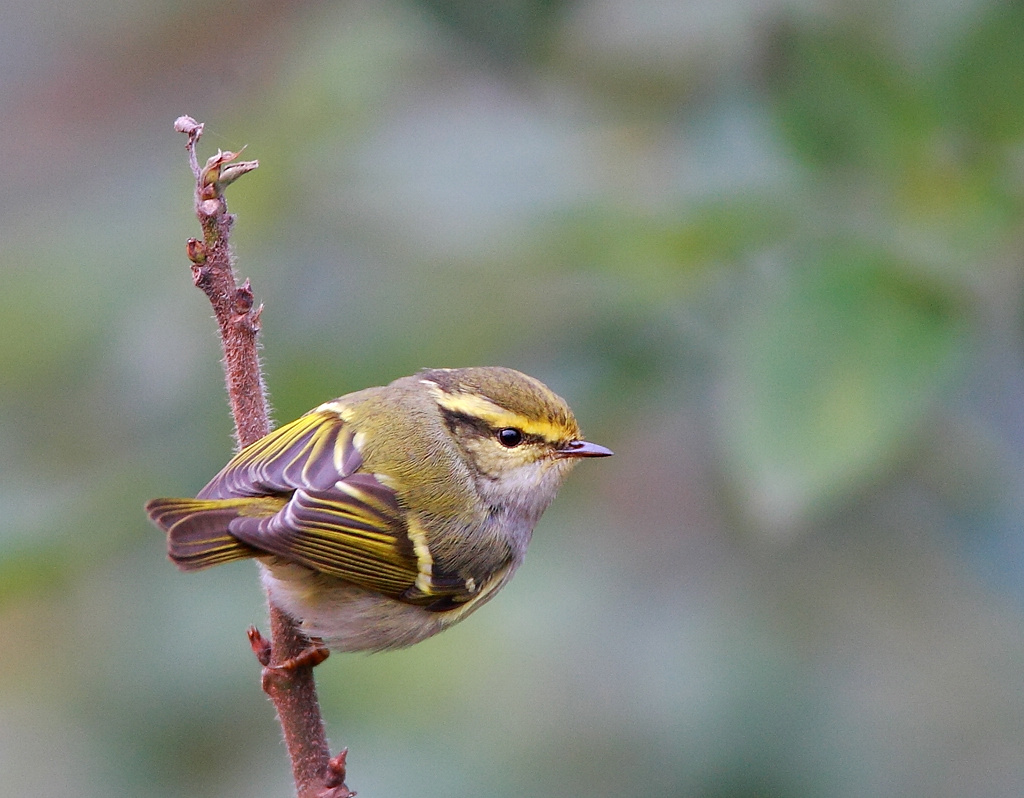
(291, 689)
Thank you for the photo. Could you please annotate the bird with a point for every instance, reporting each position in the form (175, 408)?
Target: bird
(387, 515)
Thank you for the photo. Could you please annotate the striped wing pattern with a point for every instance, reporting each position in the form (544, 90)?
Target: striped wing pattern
(200, 539)
(355, 531)
(334, 519)
(312, 452)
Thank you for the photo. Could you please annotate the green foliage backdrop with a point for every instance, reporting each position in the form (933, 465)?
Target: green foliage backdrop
(771, 253)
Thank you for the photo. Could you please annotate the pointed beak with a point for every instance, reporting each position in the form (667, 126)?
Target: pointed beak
(583, 449)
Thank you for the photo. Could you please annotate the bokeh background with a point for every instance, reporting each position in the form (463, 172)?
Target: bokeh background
(770, 250)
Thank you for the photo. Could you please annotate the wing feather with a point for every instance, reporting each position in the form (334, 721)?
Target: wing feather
(336, 534)
(312, 452)
(335, 519)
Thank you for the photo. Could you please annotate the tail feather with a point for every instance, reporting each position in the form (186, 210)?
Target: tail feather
(197, 529)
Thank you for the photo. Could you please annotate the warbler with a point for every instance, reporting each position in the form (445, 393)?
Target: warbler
(385, 516)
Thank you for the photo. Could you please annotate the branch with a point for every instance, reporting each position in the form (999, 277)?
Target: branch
(291, 688)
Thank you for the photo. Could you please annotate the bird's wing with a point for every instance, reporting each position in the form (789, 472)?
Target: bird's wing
(312, 452)
(338, 520)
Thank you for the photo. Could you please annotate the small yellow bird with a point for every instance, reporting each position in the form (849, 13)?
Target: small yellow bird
(389, 514)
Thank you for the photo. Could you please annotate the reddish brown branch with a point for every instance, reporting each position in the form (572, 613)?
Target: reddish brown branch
(291, 689)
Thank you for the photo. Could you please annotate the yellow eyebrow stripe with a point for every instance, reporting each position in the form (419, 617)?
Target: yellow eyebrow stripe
(493, 415)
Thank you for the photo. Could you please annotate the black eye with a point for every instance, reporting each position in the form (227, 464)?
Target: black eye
(510, 437)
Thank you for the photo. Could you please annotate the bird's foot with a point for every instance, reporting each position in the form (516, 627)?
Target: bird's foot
(309, 657)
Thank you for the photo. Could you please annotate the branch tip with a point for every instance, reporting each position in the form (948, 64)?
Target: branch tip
(194, 129)
(288, 657)
(186, 124)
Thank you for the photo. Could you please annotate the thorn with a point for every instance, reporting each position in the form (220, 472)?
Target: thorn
(243, 313)
(243, 299)
(336, 769)
(196, 250)
(334, 781)
(260, 646)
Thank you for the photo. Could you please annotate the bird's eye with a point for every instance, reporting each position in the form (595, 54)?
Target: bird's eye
(510, 437)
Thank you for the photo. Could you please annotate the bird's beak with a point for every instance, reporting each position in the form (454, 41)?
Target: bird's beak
(583, 449)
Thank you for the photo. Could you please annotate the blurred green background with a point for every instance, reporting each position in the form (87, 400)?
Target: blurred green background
(771, 252)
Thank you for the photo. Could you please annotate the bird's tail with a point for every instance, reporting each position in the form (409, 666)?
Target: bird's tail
(197, 529)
